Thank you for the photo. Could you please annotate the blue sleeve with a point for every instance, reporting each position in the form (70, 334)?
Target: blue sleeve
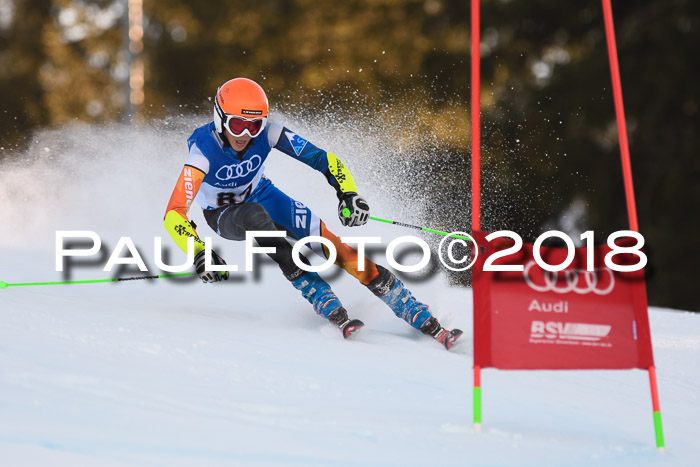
(299, 148)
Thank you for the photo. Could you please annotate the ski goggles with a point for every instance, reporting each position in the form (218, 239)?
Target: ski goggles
(239, 126)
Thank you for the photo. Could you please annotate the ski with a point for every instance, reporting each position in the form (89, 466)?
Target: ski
(431, 327)
(347, 326)
(448, 338)
(351, 327)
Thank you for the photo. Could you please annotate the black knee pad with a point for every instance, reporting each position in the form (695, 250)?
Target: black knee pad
(256, 217)
(383, 283)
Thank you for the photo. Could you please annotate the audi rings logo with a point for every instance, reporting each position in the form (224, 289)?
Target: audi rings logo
(574, 280)
(245, 168)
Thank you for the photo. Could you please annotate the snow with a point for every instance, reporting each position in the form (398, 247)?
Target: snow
(178, 373)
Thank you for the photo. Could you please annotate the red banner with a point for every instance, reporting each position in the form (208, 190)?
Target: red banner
(569, 319)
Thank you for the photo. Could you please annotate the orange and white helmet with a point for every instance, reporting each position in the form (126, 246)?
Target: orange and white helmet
(240, 107)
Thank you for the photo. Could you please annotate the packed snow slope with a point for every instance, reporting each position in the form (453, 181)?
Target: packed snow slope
(179, 373)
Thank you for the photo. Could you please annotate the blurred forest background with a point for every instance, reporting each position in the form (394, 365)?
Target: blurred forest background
(550, 148)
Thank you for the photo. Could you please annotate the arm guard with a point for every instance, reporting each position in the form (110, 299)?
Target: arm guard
(342, 175)
(180, 229)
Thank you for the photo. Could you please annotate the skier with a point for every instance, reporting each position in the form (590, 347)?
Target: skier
(224, 173)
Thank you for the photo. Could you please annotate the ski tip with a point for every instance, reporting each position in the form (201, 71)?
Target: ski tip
(352, 327)
(452, 336)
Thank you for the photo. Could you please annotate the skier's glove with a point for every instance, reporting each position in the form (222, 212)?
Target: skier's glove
(209, 276)
(353, 210)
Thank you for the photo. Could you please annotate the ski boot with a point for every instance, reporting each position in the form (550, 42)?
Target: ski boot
(399, 299)
(432, 328)
(391, 291)
(325, 302)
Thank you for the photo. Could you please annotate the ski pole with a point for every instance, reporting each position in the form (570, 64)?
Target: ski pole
(346, 213)
(4, 285)
(424, 229)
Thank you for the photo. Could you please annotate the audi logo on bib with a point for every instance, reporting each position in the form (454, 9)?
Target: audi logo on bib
(240, 170)
(600, 281)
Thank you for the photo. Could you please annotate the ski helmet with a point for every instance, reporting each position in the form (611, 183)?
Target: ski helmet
(240, 107)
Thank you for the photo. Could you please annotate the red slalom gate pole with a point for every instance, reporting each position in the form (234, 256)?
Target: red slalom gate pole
(629, 188)
(477, 399)
(476, 172)
(658, 426)
(476, 118)
(620, 113)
